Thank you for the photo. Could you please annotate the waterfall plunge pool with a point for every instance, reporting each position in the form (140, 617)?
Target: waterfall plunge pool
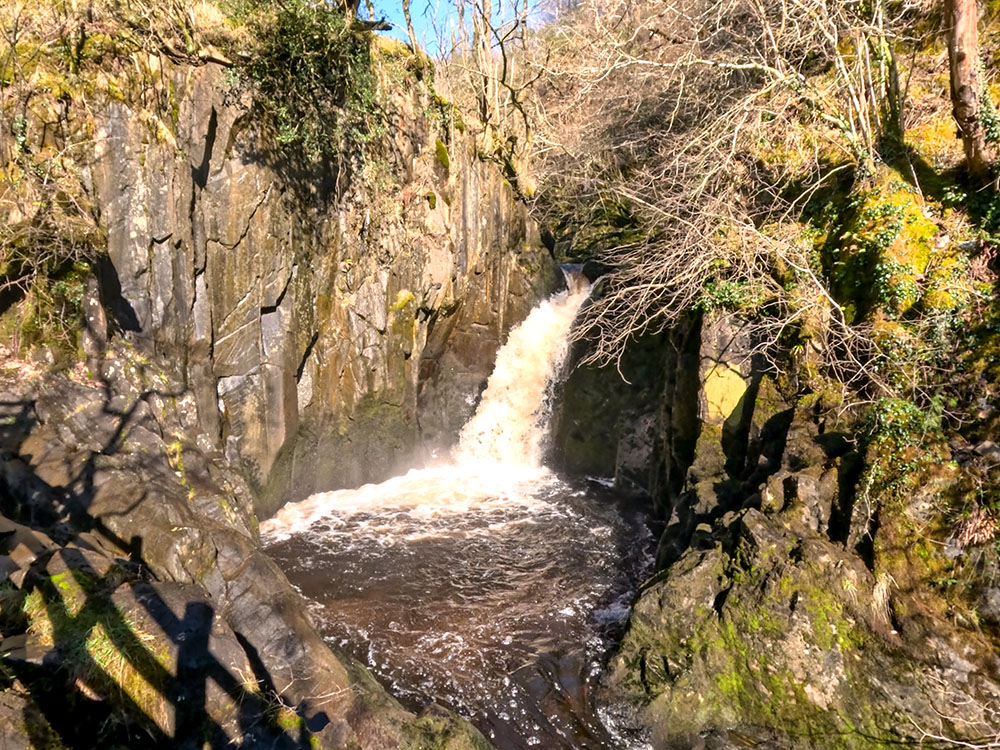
(502, 608)
(487, 583)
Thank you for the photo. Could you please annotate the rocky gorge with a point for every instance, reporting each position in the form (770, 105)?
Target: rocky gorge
(238, 329)
(250, 327)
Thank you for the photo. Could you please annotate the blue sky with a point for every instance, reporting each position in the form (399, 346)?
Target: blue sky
(425, 14)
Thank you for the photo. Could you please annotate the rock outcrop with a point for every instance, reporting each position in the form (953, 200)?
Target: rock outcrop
(799, 602)
(351, 313)
(134, 587)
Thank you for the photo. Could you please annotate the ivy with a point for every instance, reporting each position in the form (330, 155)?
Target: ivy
(726, 295)
(311, 74)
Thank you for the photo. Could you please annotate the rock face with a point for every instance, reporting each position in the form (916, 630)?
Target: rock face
(134, 585)
(616, 407)
(794, 606)
(348, 315)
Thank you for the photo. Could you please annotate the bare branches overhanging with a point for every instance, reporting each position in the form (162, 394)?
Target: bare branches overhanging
(697, 137)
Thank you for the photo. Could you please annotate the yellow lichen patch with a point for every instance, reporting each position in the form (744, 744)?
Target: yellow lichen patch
(403, 298)
(723, 389)
(913, 246)
(936, 140)
(947, 285)
(890, 333)
(895, 201)
(939, 299)
(884, 248)
(390, 47)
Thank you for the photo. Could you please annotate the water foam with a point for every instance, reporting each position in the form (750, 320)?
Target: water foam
(497, 462)
(421, 498)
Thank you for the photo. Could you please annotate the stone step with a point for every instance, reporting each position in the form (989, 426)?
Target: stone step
(20, 547)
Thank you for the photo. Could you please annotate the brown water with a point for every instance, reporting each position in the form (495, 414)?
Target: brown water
(503, 612)
(486, 583)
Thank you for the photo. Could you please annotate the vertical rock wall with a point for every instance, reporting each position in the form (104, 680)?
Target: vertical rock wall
(327, 322)
(792, 606)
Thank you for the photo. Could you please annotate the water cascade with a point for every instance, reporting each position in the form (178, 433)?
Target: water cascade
(486, 582)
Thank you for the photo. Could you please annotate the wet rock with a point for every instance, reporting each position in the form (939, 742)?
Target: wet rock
(989, 605)
(784, 626)
(122, 493)
(603, 424)
(988, 449)
(286, 314)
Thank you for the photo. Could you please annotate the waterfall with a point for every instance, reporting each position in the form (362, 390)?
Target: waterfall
(486, 583)
(497, 461)
(513, 416)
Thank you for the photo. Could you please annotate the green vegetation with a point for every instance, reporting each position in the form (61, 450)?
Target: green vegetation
(293, 725)
(102, 647)
(441, 152)
(308, 74)
(311, 74)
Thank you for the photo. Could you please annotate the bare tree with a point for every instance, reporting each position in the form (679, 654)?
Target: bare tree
(486, 71)
(409, 27)
(350, 8)
(961, 18)
(706, 127)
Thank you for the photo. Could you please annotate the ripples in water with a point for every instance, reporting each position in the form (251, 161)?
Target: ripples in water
(500, 605)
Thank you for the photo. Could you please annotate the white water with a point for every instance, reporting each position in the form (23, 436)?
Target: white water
(511, 423)
(486, 583)
(498, 460)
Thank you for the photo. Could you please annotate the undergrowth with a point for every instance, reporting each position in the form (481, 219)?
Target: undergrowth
(304, 68)
(310, 70)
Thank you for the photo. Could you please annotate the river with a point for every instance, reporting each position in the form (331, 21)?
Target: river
(485, 582)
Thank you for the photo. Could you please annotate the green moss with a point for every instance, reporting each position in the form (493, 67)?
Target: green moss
(49, 314)
(751, 663)
(293, 725)
(441, 154)
(404, 299)
(881, 248)
(904, 442)
(443, 732)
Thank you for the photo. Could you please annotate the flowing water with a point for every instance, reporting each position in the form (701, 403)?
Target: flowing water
(486, 583)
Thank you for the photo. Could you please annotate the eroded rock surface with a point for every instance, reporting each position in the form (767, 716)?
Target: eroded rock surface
(800, 602)
(136, 578)
(351, 314)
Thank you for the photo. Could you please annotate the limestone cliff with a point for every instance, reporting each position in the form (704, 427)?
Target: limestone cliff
(349, 325)
(310, 322)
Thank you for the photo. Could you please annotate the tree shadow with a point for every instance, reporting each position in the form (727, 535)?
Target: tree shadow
(113, 658)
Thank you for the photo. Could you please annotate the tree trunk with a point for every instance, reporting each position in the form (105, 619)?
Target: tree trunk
(350, 8)
(961, 17)
(481, 42)
(409, 27)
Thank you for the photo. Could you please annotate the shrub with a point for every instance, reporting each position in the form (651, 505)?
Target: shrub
(310, 69)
